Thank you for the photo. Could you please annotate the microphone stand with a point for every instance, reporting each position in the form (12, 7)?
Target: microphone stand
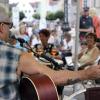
(50, 59)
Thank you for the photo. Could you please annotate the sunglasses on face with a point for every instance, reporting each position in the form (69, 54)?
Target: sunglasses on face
(7, 23)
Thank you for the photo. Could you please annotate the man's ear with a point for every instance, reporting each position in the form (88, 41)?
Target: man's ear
(0, 28)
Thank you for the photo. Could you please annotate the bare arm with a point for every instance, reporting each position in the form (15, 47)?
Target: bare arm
(83, 30)
(87, 30)
(29, 65)
(80, 55)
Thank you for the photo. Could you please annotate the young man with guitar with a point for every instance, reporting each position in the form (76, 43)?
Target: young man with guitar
(13, 61)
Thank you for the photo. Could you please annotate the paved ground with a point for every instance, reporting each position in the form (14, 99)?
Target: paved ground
(68, 90)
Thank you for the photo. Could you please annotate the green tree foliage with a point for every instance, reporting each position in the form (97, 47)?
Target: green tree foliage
(21, 15)
(36, 16)
(59, 14)
(56, 15)
(50, 16)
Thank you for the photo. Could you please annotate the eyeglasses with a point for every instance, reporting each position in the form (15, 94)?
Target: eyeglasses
(7, 23)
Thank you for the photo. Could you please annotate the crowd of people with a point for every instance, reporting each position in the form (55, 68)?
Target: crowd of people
(89, 22)
(16, 58)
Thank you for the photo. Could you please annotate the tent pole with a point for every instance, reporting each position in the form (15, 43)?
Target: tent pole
(77, 33)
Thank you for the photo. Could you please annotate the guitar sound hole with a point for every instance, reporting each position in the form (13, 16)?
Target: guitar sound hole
(27, 91)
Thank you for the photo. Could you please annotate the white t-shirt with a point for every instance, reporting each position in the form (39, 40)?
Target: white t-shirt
(67, 45)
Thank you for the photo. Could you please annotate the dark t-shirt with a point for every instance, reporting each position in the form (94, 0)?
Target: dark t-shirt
(85, 23)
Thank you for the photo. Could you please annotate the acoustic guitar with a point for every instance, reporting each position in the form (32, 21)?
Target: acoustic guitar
(37, 87)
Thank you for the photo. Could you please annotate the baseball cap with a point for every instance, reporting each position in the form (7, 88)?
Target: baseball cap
(4, 15)
(86, 8)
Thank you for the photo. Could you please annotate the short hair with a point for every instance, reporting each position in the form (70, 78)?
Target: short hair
(45, 32)
(93, 35)
(67, 35)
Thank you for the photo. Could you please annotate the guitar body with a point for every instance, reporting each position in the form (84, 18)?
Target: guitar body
(37, 87)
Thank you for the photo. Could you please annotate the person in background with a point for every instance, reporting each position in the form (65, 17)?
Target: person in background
(23, 28)
(96, 24)
(83, 46)
(96, 21)
(55, 39)
(23, 35)
(90, 53)
(48, 47)
(67, 44)
(34, 39)
(86, 24)
(66, 49)
(44, 35)
(13, 61)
